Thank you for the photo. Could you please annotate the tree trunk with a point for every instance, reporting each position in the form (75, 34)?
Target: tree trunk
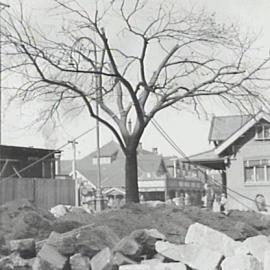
(131, 173)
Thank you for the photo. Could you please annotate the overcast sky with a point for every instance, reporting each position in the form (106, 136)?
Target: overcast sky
(189, 132)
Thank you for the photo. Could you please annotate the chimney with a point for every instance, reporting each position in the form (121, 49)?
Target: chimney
(155, 150)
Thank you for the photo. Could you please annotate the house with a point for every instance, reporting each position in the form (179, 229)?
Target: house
(15, 162)
(156, 179)
(242, 155)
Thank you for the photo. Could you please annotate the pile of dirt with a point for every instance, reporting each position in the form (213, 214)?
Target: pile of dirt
(21, 219)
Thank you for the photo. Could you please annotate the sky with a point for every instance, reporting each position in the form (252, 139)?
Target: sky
(188, 131)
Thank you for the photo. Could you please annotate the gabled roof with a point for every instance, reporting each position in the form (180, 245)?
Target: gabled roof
(223, 126)
(209, 155)
(113, 174)
(241, 130)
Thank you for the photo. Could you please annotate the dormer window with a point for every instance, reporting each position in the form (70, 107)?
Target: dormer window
(263, 132)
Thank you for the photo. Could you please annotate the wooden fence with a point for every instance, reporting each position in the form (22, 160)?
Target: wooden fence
(44, 193)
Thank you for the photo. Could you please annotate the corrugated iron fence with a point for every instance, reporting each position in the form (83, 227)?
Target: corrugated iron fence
(44, 193)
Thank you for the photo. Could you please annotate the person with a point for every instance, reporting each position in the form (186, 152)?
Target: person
(216, 204)
(223, 202)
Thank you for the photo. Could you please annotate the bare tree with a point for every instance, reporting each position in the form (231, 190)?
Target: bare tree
(134, 58)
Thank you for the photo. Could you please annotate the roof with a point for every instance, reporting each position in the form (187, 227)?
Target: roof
(113, 174)
(208, 159)
(209, 155)
(223, 126)
(241, 130)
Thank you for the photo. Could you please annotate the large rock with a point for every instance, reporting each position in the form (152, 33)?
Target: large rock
(102, 260)
(120, 259)
(129, 247)
(158, 266)
(266, 263)
(192, 255)
(257, 245)
(207, 237)
(91, 240)
(48, 258)
(79, 262)
(147, 239)
(14, 261)
(25, 247)
(64, 243)
(59, 210)
(241, 262)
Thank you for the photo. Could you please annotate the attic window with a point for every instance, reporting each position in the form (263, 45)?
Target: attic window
(263, 132)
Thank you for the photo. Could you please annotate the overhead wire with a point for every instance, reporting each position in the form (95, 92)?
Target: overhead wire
(182, 153)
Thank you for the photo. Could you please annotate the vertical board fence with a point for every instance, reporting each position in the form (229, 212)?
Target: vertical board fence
(44, 193)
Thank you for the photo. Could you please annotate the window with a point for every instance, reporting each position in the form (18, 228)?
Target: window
(263, 132)
(257, 170)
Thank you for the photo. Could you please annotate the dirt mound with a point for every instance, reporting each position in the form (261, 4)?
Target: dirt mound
(21, 219)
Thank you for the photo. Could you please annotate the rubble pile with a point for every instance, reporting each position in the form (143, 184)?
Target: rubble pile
(99, 248)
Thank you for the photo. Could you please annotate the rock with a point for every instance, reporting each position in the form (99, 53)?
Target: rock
(14, 261)
(102, 260)
(135, 267)
(147, 239)
(209, 238)
(151, 261)
(169, 266)
(91, 240)
(25, 247)
(79, 262)
(257, 245)
(192, 255)
(266, 263)
(59, 210)
(64, 243)
(158, 266)
(48, 258)
(244, 231)
(119, 259)
(241, 262)
(129, 247)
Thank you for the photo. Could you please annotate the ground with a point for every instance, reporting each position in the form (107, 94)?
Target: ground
(21, 219)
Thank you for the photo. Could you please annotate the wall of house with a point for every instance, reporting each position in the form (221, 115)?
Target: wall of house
(247, 147)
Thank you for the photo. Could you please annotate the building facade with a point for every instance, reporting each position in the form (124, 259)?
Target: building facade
(242, 155)
(159, 178)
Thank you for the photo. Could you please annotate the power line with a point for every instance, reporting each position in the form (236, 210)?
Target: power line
(49, 154)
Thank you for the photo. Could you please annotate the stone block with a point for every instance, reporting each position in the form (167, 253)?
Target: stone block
(25, 247)
(135, 267)
(192, 255)
(102, 260)
(120, 259)
(207, 237)
(129, 247)
(257, 245)
(266, 263)
(48, 258)
(169, 266)
(241, 262)
(79, 262)
(65, 243)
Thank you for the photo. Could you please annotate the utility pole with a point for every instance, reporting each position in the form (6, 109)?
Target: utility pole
(2, 6)
(74, 171)
(99, 197)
